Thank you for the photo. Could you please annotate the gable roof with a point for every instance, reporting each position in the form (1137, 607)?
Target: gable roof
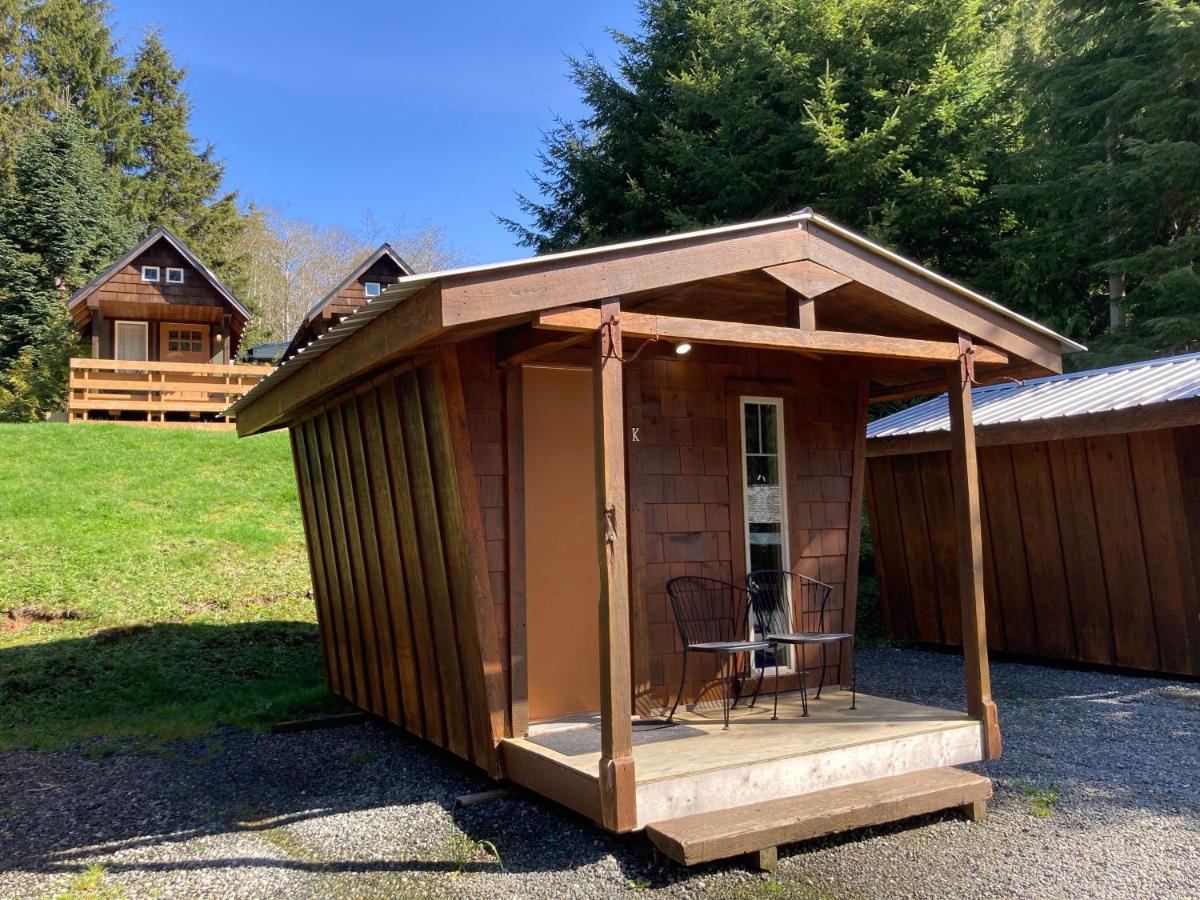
(543, 269)
(383, 250)
(158, 234)
(1074, 394)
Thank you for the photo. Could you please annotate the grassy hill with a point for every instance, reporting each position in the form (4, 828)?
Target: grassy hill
(153, 583)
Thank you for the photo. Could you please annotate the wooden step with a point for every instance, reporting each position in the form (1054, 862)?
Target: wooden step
(763, 826)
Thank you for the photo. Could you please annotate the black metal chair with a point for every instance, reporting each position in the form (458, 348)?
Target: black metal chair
(713, 616)
(770, 593)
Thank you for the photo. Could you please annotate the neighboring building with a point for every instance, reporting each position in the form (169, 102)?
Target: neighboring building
(366, 281)
(270, 352)
(1090, 514)
(160, 303)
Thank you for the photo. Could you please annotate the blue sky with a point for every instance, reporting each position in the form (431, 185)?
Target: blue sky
(428, 112)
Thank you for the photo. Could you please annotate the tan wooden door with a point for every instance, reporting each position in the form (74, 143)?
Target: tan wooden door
(562, 568)
(182, 342)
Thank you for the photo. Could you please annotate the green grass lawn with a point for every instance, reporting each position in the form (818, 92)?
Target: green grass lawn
(153, 583)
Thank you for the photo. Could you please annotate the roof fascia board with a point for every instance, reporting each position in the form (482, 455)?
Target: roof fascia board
(892, 256)
(569, 280)
(914, 288)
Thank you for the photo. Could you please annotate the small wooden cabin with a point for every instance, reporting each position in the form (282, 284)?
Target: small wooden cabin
(160, 303)
(164, 335)
(1090, 508)
(366, 281)
(501, 467)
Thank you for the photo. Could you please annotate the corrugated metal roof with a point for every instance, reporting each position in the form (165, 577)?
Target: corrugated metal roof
(1073, 394)
(406, 287)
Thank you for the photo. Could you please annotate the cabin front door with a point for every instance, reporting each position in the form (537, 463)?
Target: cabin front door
(182, 342)
(562, 569)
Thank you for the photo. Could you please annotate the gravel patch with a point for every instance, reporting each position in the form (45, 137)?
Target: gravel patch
(1098, 795)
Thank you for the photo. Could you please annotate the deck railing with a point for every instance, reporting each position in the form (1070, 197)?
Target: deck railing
(190, 393)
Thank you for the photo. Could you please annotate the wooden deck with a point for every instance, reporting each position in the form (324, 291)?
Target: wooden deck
(160, 393)
(757, 759)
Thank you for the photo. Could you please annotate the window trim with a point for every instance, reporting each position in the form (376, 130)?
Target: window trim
(157, 270)
(169, 271)
(780, 404)
(378, 289)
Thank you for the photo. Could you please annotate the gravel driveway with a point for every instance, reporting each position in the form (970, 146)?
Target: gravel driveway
(1098, 795)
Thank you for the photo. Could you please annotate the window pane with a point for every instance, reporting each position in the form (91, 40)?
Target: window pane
(752, 442)
(196, 346)
(767, 415)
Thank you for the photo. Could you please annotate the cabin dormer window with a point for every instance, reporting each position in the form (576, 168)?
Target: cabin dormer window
(174, 276)
(151, 273)
(372, 288)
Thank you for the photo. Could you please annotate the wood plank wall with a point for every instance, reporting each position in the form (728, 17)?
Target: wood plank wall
(1091, 546)
(393, 528)
(685, 477)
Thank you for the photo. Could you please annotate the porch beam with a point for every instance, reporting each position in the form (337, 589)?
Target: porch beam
(618, 797)
(964, 467)
(521, 344)
(739, 334)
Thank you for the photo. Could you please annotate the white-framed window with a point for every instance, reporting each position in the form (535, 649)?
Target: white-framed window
(131, 340)
(151, 273)
(764, 497)
(174, 276)
(372, 287)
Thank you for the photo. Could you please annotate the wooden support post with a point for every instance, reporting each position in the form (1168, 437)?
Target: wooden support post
(618, 799)
(802, 311)
(858, 477)
(975, 811)
(964, 467)
(767, 860)
(97, 333)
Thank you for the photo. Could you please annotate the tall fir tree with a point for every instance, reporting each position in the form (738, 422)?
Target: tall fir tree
(1107, 195)
(59, 226)
(71, 60)
(167, 180)
(887, 114)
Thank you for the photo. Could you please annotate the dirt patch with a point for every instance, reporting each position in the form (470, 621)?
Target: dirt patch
(255, 602)
(16, 620)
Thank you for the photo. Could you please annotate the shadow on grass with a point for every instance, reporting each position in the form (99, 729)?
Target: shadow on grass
(132, 688)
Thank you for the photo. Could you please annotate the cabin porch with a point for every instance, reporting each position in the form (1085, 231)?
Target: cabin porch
(764, 782)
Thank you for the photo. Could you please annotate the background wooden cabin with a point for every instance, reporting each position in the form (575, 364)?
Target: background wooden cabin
(199, 311)
(1091, 538)
(383, 267)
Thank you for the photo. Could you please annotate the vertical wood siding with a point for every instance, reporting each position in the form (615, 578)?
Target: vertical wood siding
(1090, 545)
(392, 515)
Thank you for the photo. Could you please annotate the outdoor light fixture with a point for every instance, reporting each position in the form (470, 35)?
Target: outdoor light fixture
(683, 347)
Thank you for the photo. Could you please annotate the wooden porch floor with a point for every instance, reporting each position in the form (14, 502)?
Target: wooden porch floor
(757, 759)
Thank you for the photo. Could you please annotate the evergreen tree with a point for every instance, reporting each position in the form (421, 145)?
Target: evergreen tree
(167, 180)
(71, 60)
(1107, 195)
(60, 226)
(886, 114)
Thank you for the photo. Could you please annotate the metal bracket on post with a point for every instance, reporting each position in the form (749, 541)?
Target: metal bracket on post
(966, 360)
(610, 337)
